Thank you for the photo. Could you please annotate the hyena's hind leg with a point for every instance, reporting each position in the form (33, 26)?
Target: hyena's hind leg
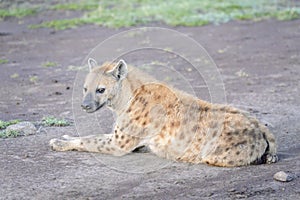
(102, 143)
(270, 155)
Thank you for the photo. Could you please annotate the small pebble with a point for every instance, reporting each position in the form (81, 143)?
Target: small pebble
(283, 176)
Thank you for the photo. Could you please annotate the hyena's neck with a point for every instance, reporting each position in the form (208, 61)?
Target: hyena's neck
(127, 88)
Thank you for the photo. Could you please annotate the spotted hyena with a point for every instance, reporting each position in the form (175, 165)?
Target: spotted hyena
(171, 123)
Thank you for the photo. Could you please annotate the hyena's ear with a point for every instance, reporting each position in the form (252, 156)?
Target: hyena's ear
(120, 70)
(92, 63)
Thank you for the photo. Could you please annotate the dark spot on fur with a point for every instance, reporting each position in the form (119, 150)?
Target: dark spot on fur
(137, 118)
(251, 153)
(88, 141)
(252, 146)
(252, 133)
(230, 162)
(107, 149)
(122, 137)
(116, 131)
(129, 110)
(162, 135)
(195, 128)
(134, 101)
(100, 139)
(215, 133)
(259, 136)
(237, 153)
(207, 162)
(181, 136)
(116, 136)
(228, 133)
(236, 132)
(146, 114)
(81, 143)
(99, 148)
(127, 141)
(185, 120)
(144, 123)
(142, 100)
(224, 158)
(218, 150)
(229, 139)
(227, 149)
(205, 109)
(95, 141)
(122, 146)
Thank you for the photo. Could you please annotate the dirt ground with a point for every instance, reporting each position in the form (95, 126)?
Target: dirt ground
(260, 66)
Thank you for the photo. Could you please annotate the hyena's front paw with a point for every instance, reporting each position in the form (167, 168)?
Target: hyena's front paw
(59, 145)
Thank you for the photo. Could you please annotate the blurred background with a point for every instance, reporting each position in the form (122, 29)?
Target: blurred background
(112, 13)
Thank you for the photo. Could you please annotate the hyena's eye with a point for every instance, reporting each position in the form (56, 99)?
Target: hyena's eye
(100, 90)
(84, 89)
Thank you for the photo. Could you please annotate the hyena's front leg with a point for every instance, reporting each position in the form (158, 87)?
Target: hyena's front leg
(104, 143)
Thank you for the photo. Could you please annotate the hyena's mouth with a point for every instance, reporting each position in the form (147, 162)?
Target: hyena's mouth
(97, 107)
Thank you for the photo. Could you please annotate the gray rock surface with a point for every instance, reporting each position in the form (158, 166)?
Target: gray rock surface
(24, 128)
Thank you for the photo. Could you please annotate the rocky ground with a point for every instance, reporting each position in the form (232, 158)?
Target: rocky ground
(259, 63)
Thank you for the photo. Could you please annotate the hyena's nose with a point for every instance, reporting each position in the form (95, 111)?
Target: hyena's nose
(86, 106)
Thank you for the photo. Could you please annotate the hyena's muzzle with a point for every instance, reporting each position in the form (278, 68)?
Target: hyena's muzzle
(89, 104)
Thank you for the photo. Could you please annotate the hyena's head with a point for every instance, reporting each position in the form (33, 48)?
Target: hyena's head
(102, 84)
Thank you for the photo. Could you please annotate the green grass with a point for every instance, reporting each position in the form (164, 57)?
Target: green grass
(3, 61)
(4, 124)
(17, 12)
(49, 64)
(15, 75)
(33, 79)
(59, 24)
(87, 5)
(9, 134)
(113, 13)
(52, 121)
